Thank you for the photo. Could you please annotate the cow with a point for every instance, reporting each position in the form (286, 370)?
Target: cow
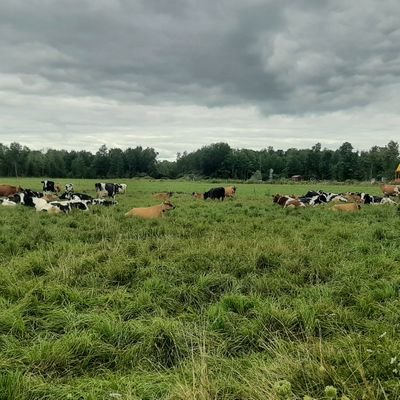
(353, 197)
(390, 190)
(215, 193)
(110, 188)
(286, 201)
(43, 205)
(164, 196)
(50, 186)
(230, 191)
(69, 187)
(8, 190)
(196, 195)
(349, 207)
(151, 212)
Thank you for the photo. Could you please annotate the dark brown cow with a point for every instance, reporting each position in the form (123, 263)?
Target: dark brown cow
(8, 190)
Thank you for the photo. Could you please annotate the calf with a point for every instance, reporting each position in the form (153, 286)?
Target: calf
(215, 193)
(349, 207)
(8, 190)
(151, 212)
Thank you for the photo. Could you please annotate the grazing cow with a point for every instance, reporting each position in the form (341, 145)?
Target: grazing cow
(151, 212)
(349, 207)
(164, 196)
(230, 191)
(69, 187)
(215, 193)
(8, 190)
(390, 190)
(110, 188)
(196, 195)
(50, 186)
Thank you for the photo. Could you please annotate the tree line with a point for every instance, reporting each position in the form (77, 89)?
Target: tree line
(217, 160)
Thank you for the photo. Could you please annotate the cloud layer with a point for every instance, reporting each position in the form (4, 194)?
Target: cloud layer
(180, 74)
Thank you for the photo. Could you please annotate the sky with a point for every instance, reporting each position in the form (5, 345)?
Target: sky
(180, 74)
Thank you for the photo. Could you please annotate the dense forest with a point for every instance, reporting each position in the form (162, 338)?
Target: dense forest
(217, 160)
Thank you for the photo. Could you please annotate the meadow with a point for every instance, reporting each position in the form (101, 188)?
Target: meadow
(238, 299)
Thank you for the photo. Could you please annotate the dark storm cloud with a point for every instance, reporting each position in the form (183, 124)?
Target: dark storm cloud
(282, 57)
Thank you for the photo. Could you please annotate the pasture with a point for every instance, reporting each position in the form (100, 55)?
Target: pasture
(238, 299)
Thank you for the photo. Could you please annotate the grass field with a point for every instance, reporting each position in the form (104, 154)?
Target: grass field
(219, 300)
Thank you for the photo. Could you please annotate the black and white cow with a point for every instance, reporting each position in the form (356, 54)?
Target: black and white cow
(50, 186)
(69, 188)
(110, 188)
(104, 202)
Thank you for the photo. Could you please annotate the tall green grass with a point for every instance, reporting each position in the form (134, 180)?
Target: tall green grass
(219, 300)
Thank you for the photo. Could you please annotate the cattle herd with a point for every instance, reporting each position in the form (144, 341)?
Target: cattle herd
(51, 201)
(348, 201)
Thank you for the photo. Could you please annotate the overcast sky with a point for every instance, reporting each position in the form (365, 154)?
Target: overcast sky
(179, 74)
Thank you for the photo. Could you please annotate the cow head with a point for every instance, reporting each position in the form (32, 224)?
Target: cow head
(166, 206)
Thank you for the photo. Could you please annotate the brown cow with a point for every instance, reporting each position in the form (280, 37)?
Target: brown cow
(8, 190)
(151, 212)
(390, 190)
(356, 198)
(349, 207)
(164, 196)
(50, 197)
(286, 201)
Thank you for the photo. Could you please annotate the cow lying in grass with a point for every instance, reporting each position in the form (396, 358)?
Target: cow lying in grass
(151, 212)
(349, 207)
(286, 201)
